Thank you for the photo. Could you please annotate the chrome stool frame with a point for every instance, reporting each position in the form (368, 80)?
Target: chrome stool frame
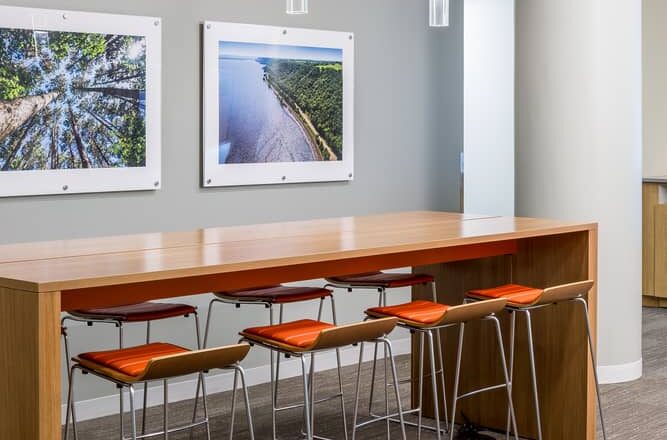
(508, 380)
(440, 370)
(275, 360)
(531, 354)
(119, 325)
(527, 311)
(309, 387)
(238, 370)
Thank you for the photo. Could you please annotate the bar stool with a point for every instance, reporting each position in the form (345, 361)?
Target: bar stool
(268, 297)
(427, 318)
(308, 337)
(381, 282)
(160, 362)
(524, 299)
(132, 314)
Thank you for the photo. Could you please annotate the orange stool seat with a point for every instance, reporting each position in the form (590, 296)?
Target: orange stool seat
(129, 361)
(515, 294)
(382, 279)
(276, 294)
(297, 334)
(418, 312)
(148, 311)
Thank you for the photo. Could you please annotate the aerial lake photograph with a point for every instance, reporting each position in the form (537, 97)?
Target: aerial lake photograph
(280, 103)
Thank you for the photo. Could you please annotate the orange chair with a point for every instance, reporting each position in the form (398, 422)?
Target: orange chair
(308, 337)
(132, 314)
(426, 318)
(269, 297)
(382, 282)
(525, 299)
(159, 362)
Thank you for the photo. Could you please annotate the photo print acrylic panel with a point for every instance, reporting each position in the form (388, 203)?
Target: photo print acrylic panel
(278, 105)
(79, 102)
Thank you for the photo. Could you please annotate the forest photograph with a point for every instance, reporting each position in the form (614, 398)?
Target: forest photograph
(279, 103)
(71, 100)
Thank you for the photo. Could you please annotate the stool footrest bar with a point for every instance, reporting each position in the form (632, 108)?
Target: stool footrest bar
(481, 390)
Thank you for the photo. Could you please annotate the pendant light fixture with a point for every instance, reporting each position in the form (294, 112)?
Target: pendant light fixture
(297, 7)
(439, 13)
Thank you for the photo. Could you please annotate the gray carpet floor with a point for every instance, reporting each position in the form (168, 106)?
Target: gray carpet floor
(633, 411)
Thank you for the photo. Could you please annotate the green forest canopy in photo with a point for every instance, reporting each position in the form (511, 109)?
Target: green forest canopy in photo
(71, 100)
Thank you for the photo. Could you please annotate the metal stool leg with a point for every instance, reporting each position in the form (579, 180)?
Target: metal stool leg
(531, 354)
(438, 341)
(306, 401)
(121, 404)
(594, 364)
(143, 415)
(200, 380)
(340, 373)
(508, 382)
(457, 375)
(434, 383)
(247, 401)
(356, 394)
(233, 415)
(397, 392)
(165, 409)
(382, 301)
(511, 364)
(134, 416)
(420, 386)
(70, 403)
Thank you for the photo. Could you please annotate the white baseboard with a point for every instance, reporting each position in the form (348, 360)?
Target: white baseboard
(608, 374)
(216, 383)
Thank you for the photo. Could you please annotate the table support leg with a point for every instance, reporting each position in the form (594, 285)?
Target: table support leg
(30, 365)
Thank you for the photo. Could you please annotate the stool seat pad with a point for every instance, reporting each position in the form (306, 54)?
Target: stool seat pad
(299, 334)
(148, 311)
(421, 312)
(132, 361)
(515, 294)
(277, 294)
(382, 279)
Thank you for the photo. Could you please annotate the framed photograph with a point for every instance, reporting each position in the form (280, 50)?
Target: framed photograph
(79, 102)
(278, 105)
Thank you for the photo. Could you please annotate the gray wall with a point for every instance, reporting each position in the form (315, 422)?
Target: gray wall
(409, 91)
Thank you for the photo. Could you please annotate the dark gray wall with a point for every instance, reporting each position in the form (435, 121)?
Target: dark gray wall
(409, 110)
(408, 124)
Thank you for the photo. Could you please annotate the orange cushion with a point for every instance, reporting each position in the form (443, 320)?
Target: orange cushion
(132, 361)
(423, 312)
(513, 293)
(148, 311)
(300, 334)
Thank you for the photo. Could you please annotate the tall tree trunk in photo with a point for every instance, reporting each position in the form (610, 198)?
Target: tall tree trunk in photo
(18, 143)
(15, 113)
(54, 161)
(85, 161)
(111, 91)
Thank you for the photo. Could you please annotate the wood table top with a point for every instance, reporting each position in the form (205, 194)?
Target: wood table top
(94, 262)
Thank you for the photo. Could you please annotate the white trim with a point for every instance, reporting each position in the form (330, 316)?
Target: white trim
(620, 373)
(108, 405)
(215, 174)
(66, 181)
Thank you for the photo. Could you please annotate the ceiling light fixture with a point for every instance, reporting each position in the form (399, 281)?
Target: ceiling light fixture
(438, 13)
(297, 7)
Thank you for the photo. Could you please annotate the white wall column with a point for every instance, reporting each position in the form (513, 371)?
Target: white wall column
(488, 103)
(579, 153)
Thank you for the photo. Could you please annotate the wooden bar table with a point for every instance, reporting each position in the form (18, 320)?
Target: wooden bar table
(40, 280)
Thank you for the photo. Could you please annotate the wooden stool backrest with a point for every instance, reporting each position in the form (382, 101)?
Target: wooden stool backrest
(196, 361)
